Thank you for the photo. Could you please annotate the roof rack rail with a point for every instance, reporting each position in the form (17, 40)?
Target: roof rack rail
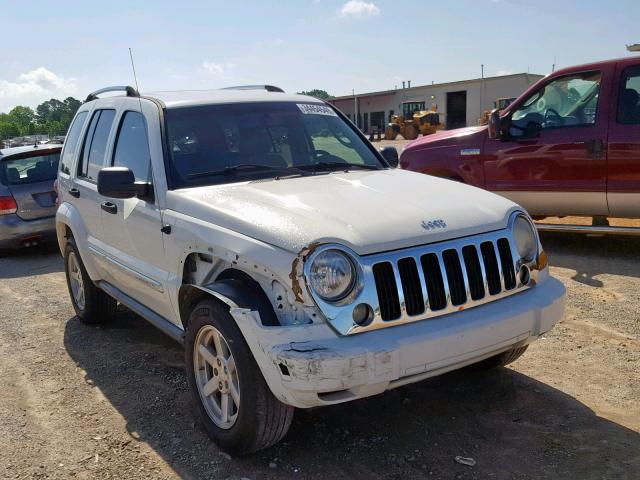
(268, 88)
(130, 91)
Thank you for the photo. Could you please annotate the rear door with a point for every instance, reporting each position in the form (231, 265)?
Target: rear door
(623, 184)
(562, 170)
(84, 185)
(29, 178)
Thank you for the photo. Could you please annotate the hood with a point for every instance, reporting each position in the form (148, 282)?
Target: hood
(458, 135)
(368, 211)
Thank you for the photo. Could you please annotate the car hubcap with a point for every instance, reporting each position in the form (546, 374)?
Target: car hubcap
(75, 280)
(216, 377)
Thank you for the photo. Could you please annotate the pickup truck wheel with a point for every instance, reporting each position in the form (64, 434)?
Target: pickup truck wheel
(502, 359)
(235, 404)
(91, 304)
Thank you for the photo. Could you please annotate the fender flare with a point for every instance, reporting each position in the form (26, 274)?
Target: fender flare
(233, 292)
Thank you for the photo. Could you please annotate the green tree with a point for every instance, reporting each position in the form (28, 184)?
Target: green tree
(23, 117)
(317, 93)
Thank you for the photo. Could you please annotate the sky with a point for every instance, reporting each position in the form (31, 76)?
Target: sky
(53, 49)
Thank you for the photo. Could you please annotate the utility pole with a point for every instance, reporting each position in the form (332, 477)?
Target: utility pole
(355, 108)
(481, 86)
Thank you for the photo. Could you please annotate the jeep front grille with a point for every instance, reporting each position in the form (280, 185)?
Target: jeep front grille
(449, 278)
(428, 281)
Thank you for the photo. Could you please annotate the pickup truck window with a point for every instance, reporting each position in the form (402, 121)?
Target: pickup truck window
(132, 148)
(227, 143)
(95, 144)
(629, 97)
(567, 101)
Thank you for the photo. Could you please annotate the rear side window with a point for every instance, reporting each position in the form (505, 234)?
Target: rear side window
(95, 144)
(71, 142)
(30, 169)
(132, 148)
(629, 97)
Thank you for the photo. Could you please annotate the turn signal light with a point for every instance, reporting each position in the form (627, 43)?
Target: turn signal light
(543, 261)
(8, 205)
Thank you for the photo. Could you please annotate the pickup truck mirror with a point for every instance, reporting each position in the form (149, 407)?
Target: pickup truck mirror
(119, 182)
(494, 124)
(390, 154)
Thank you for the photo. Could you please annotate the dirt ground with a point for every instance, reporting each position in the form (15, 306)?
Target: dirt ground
(112, 402)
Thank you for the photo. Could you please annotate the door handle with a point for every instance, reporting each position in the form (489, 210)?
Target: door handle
(595, 147)
(74, 192)
(109, 207)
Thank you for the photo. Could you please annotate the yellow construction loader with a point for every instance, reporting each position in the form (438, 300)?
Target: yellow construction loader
(424, 122)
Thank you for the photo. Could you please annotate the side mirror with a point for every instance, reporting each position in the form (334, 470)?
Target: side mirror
(494, 124)
(390, 154)
(119, 182)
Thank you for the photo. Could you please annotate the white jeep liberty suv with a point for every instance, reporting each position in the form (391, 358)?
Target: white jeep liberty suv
(295, 263)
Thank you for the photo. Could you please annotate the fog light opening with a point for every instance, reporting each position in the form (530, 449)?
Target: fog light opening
(362, 314)
(525, 275)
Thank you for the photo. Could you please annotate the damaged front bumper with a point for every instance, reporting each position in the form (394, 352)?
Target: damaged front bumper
(310, 365)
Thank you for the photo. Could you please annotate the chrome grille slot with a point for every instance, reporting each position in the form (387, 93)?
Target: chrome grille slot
(457, 289)
(387, 291)
(474, 272)
(506, 262)
(491, 267)
(435, 283)
(410, 279)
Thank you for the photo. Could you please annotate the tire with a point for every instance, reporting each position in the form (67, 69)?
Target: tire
(95, 306)
(502, 359)
(257, 419)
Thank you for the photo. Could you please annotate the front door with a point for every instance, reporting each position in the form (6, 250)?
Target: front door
(133, 243)
(554, 161)
(623, 188)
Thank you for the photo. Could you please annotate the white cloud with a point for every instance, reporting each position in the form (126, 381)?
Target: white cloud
(500, 73)
(358, 9)
(222, 70)
(33, 87)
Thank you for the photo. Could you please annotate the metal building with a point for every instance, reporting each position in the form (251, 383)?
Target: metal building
(462, 102)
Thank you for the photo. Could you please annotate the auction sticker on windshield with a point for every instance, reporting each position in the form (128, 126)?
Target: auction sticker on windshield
(314, 109)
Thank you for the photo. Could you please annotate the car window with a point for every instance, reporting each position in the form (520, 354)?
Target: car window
(331, 141)
(132, 147)
(567, 101)
(95, 144)
(267, 136)
(629, 96)
(71, 142)
(30, 169)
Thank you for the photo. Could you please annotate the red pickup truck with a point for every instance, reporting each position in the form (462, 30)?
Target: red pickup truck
(569, 145)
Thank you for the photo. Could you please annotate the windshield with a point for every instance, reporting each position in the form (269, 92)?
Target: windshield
(237, 142)
(30, 169)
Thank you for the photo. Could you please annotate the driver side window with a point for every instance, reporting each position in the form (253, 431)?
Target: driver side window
(568, 101)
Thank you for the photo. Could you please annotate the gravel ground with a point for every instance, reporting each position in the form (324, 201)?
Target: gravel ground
(112, 402)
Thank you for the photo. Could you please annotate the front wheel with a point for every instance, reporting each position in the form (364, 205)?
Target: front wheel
(235, 404)
(502, 359)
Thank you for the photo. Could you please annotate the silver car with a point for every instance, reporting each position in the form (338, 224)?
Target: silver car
(27, 195)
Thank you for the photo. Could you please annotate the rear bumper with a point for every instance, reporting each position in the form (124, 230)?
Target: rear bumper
(16, 232)
(309, 366)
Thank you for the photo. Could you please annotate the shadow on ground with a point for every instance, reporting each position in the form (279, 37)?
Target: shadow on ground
(590, 256)
(38, 260)
(511, 424)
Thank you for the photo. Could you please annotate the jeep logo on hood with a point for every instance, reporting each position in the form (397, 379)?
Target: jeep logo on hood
(433, 224)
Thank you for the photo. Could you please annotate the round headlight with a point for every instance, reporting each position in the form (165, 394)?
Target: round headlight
(332, 275)
(525, 238)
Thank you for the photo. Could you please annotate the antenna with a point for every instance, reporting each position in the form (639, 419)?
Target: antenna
(144, 121)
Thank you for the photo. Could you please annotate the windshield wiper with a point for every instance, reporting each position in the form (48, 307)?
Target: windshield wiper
(243, 167)
(338, 165)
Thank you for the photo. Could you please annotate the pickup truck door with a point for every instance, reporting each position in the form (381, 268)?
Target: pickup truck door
(554, 159)
(623, 184)
(132, 240)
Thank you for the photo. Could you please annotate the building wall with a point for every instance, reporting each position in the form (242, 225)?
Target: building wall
(481, 95)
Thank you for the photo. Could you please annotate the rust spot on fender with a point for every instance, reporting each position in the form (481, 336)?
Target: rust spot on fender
(296, 270)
